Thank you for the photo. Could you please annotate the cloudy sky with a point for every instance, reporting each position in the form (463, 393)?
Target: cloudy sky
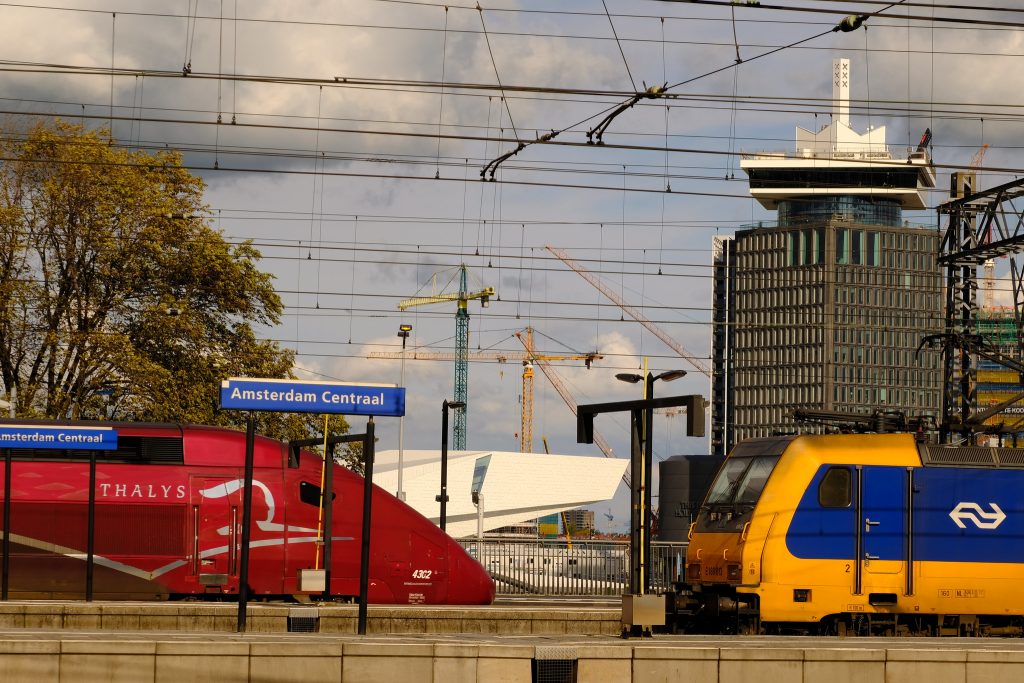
(347, 140)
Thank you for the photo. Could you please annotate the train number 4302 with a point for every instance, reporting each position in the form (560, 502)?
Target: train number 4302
(422, 573)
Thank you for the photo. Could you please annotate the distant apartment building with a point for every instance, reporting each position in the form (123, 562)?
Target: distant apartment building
(996, 383)
(580, 520)
(824, 308)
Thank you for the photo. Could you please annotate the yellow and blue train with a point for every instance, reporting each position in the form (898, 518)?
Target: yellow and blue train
(859, 534)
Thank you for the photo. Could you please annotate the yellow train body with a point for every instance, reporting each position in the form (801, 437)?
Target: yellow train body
(905, 542)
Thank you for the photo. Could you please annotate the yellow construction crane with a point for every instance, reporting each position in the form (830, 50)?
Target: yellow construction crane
(566, 396)
(526, 436)
(528, 358)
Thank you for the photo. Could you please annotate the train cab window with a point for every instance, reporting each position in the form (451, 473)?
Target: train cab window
(727, 480)
(749, 489)
(836, 488)
(741, 480)
(310, 493)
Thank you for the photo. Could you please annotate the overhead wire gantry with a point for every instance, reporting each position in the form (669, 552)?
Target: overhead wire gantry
(981, 225)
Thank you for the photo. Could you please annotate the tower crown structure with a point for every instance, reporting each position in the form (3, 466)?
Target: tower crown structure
(822, 312)
(836, 172)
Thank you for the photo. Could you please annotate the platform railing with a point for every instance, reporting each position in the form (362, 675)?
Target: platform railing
(583, 567)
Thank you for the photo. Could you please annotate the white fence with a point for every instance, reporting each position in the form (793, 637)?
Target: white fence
(558, 567)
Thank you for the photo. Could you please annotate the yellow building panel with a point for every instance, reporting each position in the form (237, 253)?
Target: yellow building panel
(990, 398)
(1001, 376)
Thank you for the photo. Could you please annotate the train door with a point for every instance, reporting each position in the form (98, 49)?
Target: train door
(883, 515)
(215, 504)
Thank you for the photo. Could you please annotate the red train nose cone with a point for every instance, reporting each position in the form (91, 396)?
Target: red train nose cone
(470, 583)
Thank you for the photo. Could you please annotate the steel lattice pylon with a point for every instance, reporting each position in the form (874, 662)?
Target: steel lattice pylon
(982, 225)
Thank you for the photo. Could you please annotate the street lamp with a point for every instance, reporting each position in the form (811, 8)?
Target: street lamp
(403, 332)
(647, 461)
(478, 500)
(443, 498)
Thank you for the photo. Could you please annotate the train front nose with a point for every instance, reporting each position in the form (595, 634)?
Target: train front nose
(469, 584)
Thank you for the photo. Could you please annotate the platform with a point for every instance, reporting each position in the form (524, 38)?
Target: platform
(51, 656)
(337, 619)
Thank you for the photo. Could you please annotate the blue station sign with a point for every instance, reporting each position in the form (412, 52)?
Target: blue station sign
(290, 396)
(55, 437)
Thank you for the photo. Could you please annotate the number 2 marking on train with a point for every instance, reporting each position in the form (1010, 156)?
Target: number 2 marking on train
(422, 573)
(847, 567)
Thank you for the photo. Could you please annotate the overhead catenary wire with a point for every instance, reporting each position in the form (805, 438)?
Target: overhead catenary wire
(300, 154)
(654, 92)
(512, 182)
(500, 222)
(440, 95)
(780, 104)
(764, 7)
(496, 248)
(622, 52)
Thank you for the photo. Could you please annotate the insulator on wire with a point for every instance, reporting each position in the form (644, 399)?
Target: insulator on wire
(851, 23)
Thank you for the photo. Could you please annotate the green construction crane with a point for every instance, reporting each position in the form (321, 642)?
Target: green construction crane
(461, 344)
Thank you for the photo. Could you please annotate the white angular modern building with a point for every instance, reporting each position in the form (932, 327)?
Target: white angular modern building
(515, 487)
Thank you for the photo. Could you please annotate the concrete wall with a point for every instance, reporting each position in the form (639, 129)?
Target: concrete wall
(81, 658)
(336, 619)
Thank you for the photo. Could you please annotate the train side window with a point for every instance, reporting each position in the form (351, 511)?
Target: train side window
(310, 493)
(836, 488)
(157, 450)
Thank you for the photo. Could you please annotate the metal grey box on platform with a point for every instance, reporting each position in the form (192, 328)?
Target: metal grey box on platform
(312, 580)
(643, 610)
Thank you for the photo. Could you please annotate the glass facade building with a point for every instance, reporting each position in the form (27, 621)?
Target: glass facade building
(823, 317)
(866, 210)
(824, 309)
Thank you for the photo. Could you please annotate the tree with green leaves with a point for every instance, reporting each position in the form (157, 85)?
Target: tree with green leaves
(118, 300)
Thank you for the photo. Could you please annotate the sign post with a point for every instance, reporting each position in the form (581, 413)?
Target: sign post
(364, 551)
(53, 437)
(7, 525)
(640, 610)
(293, 396)
(243, 570)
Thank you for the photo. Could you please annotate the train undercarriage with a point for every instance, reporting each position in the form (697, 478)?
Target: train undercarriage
(723, 611)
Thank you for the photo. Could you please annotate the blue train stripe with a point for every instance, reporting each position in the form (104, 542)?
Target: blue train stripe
(959, 515)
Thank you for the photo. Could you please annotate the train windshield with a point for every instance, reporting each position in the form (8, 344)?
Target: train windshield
(741, 480)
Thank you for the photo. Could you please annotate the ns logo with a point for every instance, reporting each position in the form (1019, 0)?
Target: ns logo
(976, 515)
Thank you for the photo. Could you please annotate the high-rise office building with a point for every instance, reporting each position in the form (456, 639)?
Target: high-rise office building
(824, 308)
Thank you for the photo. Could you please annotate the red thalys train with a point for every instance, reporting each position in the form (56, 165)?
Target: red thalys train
(168, 524)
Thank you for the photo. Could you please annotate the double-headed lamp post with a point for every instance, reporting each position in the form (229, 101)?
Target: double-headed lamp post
(403, 332)
(648, 447)
(443, 498)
